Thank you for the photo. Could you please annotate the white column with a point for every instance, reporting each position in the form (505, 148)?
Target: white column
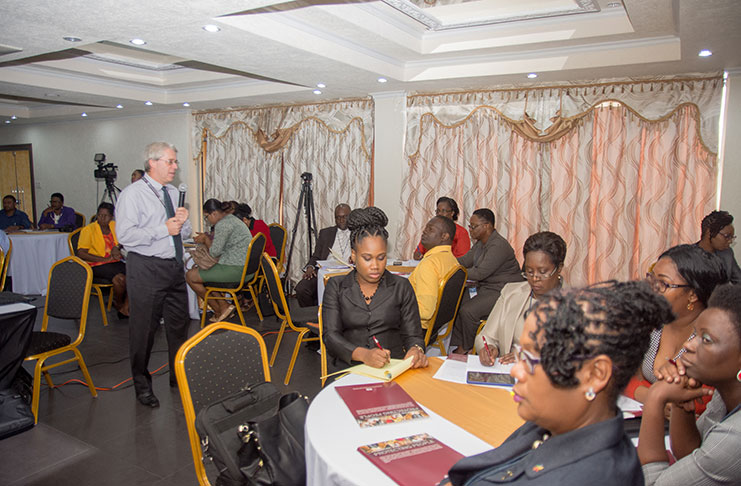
(730, 197)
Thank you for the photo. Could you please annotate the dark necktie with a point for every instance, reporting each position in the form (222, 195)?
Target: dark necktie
(175, 238)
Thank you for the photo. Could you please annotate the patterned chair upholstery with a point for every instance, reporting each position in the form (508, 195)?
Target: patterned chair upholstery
(98, 283)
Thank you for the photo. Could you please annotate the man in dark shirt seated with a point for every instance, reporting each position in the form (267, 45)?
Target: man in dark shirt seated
(57, 215)
(11, 218)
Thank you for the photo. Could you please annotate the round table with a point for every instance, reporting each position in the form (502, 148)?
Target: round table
(33, 255)
(467, 418)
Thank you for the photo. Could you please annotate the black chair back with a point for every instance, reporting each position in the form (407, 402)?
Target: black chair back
(447, 306)
(257, 246)
(67, 291)
(74, 240)
(79, 220)
(274, 287)
(278, 236)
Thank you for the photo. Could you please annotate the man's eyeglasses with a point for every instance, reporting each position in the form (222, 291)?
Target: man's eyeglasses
(538, 275)
(660, 286)
(728, 237)
(528, 359)
(169, 161)
(472, 227)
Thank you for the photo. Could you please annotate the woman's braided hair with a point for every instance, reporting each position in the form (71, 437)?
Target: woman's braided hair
(611, 318)
(370, 221)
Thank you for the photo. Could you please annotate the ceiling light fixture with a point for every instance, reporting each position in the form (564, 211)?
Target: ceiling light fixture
(148, 103)
(186, 104)
(7, 121)
(211, 28)
(383, 80)
(13, 117)
(532, 75)
(138, 42)
(317, 91)
(119, 106)
(614, 5)
(321, 85)
(83, 114)
(705, 53)
(71, 38)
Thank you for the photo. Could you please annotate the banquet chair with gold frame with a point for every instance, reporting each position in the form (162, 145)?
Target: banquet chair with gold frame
(4, 264)
(67, 297)
(449, 296)
(98, 283)
(79, 220)
(283, 312)
(278, 237)
(215, 363)
(230, 290)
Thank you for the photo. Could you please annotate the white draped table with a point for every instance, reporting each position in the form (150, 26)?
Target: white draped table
(33, 255)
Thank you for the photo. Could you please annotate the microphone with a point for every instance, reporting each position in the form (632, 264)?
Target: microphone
(183, 187)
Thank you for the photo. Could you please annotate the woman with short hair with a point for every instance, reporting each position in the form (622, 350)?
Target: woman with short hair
(717, 236)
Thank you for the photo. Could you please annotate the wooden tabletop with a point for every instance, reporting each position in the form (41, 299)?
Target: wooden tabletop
(489, 413)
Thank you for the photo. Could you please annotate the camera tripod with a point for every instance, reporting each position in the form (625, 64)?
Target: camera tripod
(110, 192)
(305, 202)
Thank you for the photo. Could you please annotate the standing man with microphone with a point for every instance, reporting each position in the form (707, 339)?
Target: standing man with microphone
(152, 231)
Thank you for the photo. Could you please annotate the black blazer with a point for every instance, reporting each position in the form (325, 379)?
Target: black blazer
(324, 242)
(392, 317)
(598, 454)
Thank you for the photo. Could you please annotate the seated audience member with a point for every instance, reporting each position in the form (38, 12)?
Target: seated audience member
(335, 239)
(57, 215)
(491, 264)
(686, 276)
(12, 218)
(717, 235)
(370, 308)
(706, 449)
(229, 245)
(437, 261)
(99, 247)
(244, 212)
(577, 351)
(544, 254)
(136, 175)
(448, 208)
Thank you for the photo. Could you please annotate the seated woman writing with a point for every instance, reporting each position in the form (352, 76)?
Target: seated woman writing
(577, 351)
(370, 315)
(99, 247)
(229, 245)
(685, 275)
(448, 208)
(544, 253)
(706, 449)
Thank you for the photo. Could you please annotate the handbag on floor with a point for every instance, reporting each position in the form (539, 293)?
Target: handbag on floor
(272, 452)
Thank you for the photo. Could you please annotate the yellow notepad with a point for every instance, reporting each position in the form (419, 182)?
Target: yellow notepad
(394, 368)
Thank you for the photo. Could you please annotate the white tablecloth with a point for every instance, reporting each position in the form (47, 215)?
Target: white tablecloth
(32, 258)
(333, 436)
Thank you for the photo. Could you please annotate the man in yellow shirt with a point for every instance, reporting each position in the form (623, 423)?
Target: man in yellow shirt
(437, 237)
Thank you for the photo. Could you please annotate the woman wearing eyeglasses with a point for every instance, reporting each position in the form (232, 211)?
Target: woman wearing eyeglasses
(544, 253)
(448, 208)
(717, 236)
(577, 351)
(686, 276)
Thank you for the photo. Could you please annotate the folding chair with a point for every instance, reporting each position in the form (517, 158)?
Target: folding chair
(4, 264)
(98, 283)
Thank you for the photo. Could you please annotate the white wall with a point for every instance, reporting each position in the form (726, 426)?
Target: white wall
(63, 153)
(730, 196)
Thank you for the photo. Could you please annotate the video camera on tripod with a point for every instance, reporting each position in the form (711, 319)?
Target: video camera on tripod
(104, 171)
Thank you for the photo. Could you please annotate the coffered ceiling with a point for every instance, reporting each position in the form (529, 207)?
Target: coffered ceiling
(273, 51)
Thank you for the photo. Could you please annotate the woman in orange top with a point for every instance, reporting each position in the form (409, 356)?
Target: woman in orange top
(99, 247)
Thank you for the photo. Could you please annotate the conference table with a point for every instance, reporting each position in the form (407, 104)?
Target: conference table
(34, 253)
(468, 418)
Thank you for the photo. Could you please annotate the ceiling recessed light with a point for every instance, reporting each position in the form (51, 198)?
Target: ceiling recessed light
(138, 42)
(70, 38)
(705, 53)
(13, 117)
(321, 85)
(614, 5)
(382, 80)
(83, 114)
(7, 121)
(532, 75)
(211, 28)
(148, 103)
(119, 106)
(317, 91)
(186, 104)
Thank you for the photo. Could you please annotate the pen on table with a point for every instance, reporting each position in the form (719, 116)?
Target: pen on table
(380, 347)
(486, 346)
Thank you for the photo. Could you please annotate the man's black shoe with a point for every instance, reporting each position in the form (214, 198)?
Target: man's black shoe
(148, 399)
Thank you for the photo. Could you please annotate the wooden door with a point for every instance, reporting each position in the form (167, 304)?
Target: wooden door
(16, 177)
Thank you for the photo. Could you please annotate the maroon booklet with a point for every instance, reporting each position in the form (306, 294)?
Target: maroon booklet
(380, 403)
(417, 460)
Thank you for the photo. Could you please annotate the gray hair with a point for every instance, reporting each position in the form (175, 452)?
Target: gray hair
(154, 151)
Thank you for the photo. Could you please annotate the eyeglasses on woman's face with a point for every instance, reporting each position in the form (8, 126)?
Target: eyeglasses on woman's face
(729, 237)
(530, 275)
(660, 286)
(526, 358)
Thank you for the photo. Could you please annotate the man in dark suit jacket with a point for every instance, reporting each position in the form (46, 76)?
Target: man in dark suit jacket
(306, 291)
